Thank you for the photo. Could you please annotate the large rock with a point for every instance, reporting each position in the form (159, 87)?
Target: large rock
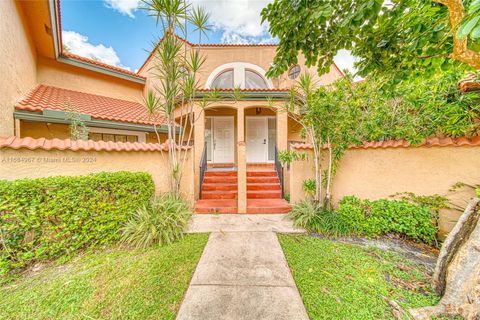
(457, 274)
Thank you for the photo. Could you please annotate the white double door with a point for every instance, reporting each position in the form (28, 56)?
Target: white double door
(257, 139)
(223, 139)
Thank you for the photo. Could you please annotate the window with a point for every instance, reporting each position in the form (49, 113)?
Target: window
(97, 136)
(224, 80)
(254, 81)
(294, 72)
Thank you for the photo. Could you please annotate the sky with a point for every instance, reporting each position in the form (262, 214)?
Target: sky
(120, 33)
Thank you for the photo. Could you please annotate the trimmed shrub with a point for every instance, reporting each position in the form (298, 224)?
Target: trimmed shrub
(388, 216)
(160, 222)
(52, 217)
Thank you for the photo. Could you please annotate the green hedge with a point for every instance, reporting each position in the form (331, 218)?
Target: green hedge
(387, 216)
(52, 217)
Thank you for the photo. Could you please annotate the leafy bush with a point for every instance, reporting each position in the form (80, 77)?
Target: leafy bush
(387, 216)
(287, 196)
(309, 187)
(313, 217)
(160, 222)
(51, 217)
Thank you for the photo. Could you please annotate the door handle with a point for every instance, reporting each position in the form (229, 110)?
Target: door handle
(264, 141)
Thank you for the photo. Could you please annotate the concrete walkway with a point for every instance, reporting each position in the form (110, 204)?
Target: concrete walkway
(242, 273)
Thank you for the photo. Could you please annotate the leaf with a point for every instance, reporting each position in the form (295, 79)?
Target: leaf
(476, 33)
(474, 6)
(467, 27)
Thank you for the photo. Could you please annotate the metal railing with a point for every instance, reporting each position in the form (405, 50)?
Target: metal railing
(203, 167)
(279, 169)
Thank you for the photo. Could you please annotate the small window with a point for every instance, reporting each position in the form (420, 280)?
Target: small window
(224, 80)
(254, 81)
(294, 72)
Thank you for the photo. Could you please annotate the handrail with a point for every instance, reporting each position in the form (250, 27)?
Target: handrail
(279, 169)
(203, 167)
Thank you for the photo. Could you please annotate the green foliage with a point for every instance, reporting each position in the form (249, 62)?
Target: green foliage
(47, 218)
(78, 129)
(340, 281)
(286, 196)
(309, 186)
(111, 283)
(288, 156)
(160, 222)
(313, 217)
(392, 39)
(383, 216)
(470, 27)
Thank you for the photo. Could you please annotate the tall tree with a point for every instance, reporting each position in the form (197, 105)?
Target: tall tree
(394, 38)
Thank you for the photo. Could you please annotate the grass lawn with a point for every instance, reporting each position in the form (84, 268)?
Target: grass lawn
(343, 281)
(115, 284)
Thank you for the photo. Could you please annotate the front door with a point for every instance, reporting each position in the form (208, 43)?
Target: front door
(223, 140)
(257, 139)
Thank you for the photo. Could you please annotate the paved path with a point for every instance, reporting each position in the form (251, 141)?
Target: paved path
(242, 273)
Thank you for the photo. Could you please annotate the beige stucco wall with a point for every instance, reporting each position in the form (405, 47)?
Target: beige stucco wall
(54, 73)
(17, 62)
(379, 173)
(24, 163)
(261, 56)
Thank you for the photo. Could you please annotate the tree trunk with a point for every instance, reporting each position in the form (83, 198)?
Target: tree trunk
(329, 176)
(460, 51)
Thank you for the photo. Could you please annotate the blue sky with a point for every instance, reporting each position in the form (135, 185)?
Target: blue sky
(119, 33)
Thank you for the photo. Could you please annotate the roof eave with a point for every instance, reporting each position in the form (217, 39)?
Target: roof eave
(57, 44)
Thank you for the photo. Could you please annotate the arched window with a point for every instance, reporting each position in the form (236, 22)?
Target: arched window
(224, 80)
(254, 81)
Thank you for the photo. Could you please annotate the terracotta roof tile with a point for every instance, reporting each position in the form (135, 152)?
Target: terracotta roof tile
(430, 142)
(100, 64)
(79, 145)
(98, 107)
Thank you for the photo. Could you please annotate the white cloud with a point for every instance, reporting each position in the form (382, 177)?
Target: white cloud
(239, 20)
(126, 7)
(78, 44)
(345, 60)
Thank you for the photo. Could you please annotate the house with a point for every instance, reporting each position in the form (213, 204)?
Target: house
(42, 85)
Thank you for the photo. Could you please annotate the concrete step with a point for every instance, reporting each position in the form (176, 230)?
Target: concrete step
(220, 179)
(268, 206)
(264, 194)
(216, 206)
(229, 173)
(219, 186)
(219, 194)
(261, 174)
(263, 186)
(263, 179)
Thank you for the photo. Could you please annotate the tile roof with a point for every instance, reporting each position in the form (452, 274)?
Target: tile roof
(430, 142)
(98, 107)
(100, 64)
(79, 145)
(245, 90)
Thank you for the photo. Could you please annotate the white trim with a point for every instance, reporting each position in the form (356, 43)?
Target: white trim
(232, 118)
(267, 140)
(238, 74)
(142, 137)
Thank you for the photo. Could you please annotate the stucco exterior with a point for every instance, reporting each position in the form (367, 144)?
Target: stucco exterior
(380, 173)
(17, 62)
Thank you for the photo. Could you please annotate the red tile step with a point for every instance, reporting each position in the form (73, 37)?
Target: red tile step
(232, 194)
(263, 186)
(228, 173)
(219, 186)
(219, 179)
(263, 179)
(268, 206)
(216, 206)
(261, 174)
(264, 194)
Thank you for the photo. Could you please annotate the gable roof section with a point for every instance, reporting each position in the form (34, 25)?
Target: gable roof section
(99, 107)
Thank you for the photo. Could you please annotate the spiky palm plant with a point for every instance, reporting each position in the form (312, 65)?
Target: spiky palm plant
(160, 222)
